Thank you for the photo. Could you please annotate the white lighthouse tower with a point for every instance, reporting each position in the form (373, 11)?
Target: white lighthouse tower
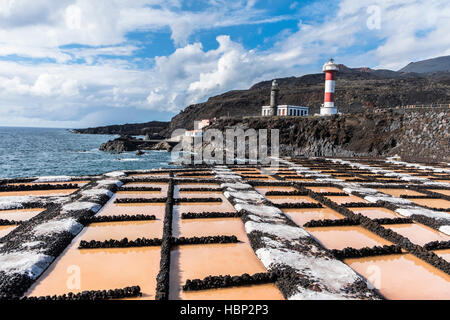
(274, 93)
(328, 108)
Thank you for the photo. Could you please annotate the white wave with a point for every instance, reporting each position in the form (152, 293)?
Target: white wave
(128, 159)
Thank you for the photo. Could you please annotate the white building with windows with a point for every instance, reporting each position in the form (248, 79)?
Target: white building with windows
(286, 110)
(281, 110)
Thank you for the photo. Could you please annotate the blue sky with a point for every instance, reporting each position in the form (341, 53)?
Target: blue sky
(78, 63)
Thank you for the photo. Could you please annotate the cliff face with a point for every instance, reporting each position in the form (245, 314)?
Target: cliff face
(152, 128)
(356, 90)
(414, 135)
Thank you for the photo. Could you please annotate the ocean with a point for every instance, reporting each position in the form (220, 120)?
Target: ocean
(30, 152)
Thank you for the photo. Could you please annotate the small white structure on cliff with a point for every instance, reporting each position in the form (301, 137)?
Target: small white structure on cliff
(287, 110)
(198, 127)
(282, 110)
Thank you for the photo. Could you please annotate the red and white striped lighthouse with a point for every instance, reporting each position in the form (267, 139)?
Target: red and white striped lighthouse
(328, 107)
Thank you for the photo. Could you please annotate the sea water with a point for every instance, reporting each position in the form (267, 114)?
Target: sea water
(30, 152)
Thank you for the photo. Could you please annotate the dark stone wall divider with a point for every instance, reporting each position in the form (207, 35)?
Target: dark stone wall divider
(331, 223)
(144, 242)
(204, 240)
(215, 282)
(285, 193)
(361, 205)
(348, 253)
(269, 184)
(92, 295)
(407, 196)
(29, 205)
(141, 200)
(200, 189)
(18, 180)
(194, 174)
(123, 243)
(163, 277)
(139, 189)
(334, 194)
(389, 186)
(37, 187)
(393, 220)
(117, 218)
(305, 205)
(433, 194)
(193, 200)
(254, 177)
(437, 245)
(202, 215)
(163, 200)
(144, 180)
(5, 222)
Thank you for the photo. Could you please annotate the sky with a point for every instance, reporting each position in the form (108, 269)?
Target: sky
(83, 63)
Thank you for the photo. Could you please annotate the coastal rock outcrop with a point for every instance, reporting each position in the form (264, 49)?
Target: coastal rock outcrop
(125, 143)
(150, 129)
(163, 145)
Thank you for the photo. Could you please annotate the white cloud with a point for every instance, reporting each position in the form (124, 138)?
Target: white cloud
(51, 85)
(191, 74)
(68, 82)
(73, 17)
(401, 25)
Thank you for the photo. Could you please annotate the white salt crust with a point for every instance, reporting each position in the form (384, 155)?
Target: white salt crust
(329, 180)
(31, 263)
(237, 185)
(228, 177)
(58, 226)
(436, 183)
(445, 229)
(305, 294)
(383, 197)
(115, 174)
(75, 206)
(409, 211)
(15, 202)
(254, 218)
(331, 273)
(281, 231)
(110, 181)
(354, 189)
(244, 195)
(31, 244)
(97, 193)
(321, 175)
(53, 179)
(260, 210)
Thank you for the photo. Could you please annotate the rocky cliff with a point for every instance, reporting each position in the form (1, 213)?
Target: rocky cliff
(357, 90)
(152, 129)
(419, 135)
